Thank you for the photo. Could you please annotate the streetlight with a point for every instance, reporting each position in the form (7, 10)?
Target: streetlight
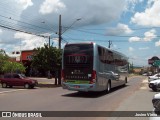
(72, 25)
(60, 39)
(49, 36)
(60, 29)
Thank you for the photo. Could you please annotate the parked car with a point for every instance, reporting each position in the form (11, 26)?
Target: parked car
(147, 74)
(156, 105)
(154, 77)
(14, 79)
(154, 85)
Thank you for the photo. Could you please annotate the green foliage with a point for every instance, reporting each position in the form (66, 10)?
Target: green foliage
(12, 67)
(7, 66)
(47, 59)
(3, 59)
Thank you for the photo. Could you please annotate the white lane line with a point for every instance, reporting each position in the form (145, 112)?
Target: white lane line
(11, 91)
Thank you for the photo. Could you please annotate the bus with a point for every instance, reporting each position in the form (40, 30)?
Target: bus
(91, 67)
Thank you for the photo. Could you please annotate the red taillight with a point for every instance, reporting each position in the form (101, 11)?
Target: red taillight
(62, 75)
(93, 80)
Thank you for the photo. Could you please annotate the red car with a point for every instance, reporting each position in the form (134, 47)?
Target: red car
(17, 80)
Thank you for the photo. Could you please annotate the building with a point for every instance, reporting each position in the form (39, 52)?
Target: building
(14, 56)
(26, 57)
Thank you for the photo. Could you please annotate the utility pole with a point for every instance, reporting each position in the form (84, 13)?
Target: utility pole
(60, 32)
(60, 40)
(49, 41)
(110, 43)
(58, 72)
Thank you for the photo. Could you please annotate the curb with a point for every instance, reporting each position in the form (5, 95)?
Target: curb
(48, 85)
(44, 85)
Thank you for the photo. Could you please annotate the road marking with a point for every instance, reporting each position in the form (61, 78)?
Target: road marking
(11, 91)
(144, 88)
(144, 84)
(145, 81)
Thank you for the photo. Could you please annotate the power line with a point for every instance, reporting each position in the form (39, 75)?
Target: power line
(89, 32)
(9, 24)
(13, 12)
(5, 5)
(67, 28)
(102, 40)
(64, 40)
(9, 18)
(14, 29)
(70, 28)
(117, 29)
(127, 36)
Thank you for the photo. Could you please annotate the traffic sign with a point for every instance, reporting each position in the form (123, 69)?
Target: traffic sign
(156, 63)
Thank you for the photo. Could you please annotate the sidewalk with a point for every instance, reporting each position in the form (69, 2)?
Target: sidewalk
(45, 82)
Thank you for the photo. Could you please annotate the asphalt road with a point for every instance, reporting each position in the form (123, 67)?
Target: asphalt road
(135, 96)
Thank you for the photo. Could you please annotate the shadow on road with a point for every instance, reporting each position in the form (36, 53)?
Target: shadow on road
(92, 94)
(18, 87)
(154, 91)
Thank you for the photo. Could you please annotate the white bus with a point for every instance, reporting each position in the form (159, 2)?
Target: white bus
(91, 67)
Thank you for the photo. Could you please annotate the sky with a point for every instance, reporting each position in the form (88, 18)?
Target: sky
(133, 26)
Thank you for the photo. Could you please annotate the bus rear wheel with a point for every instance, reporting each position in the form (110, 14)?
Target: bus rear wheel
(126, 80)
(108, 87)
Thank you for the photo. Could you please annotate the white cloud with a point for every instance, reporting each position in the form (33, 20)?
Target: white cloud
(33, 12)
(20, 35)
(50, 6)
(144, 48)
(11, 9)
(120, 29)
(131, 49)
(134, 39)
(150, 3)
(92, 12)
(151, 15)
(25, 3)
(131, 4)
(157, 44)
(150, 35)
(1, 31)
(115, 46)
(29, 42)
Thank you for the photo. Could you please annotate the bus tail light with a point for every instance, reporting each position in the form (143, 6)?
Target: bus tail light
(62, 75)
(94, 75)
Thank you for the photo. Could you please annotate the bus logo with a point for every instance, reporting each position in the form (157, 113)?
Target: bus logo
(77, 59)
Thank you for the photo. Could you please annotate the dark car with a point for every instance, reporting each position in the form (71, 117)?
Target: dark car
(14, 79)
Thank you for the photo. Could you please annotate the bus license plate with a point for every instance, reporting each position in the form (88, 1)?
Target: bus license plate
(76, 86)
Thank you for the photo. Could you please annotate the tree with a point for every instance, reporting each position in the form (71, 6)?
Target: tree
(12, 67)
(3, 59)
(47, 59)
(7, 66)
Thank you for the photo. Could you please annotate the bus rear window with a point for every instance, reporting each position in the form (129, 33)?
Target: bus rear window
(78, 54)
